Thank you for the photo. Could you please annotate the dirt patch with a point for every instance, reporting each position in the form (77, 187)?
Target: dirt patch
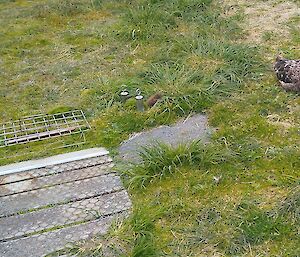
(265, 18)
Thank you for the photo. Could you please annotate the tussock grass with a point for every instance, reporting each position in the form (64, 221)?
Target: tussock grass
(147, 22)
(162, 160)
(290, 206)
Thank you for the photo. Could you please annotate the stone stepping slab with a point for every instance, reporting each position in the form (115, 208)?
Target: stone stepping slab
(53, 161)
(55, 179)
(59, 194)
(17, 226)
(42, 244)
(54, 169)
(182, 132)
(57, 200)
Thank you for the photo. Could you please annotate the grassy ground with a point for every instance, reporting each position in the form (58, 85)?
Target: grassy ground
(237, 196)
(58, 55)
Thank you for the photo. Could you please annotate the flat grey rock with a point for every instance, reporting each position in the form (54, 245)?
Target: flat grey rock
(183, 132)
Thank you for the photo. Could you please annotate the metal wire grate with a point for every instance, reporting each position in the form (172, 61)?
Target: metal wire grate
(42, 126)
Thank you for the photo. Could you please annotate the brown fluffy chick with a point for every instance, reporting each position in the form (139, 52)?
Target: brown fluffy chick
(153, 99)
(288, 73)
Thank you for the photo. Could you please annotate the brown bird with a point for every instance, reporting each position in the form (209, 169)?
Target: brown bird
(288, 73)
(153, 99)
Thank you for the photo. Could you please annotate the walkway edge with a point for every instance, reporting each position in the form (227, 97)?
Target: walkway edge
(53, 160)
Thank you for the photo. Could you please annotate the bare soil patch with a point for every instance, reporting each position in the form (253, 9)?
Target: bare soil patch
(263, 17)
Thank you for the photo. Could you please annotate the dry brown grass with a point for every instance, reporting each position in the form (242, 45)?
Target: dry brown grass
(266, 19)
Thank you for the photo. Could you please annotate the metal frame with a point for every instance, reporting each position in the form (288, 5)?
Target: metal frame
(42, 127)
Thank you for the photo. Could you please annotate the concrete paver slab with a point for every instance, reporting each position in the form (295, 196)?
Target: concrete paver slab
(42, 244)
(53, 160)
(55, 179)
(88, 209)
(44, 208)
(58, 194)
(53, 169)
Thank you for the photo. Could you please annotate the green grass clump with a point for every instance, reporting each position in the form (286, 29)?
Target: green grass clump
(147, 22)
(252, 227)
(290, 206)
(130, 237)
(65, 7)
(162, 160)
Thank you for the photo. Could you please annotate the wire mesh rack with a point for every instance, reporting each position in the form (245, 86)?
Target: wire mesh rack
(42, 127)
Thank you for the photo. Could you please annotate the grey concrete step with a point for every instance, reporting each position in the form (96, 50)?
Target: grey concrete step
(55, 179)
(52, 169)
(42, 244)
(59, 194)
(44, 204)
(18, 226)
(53, 160)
